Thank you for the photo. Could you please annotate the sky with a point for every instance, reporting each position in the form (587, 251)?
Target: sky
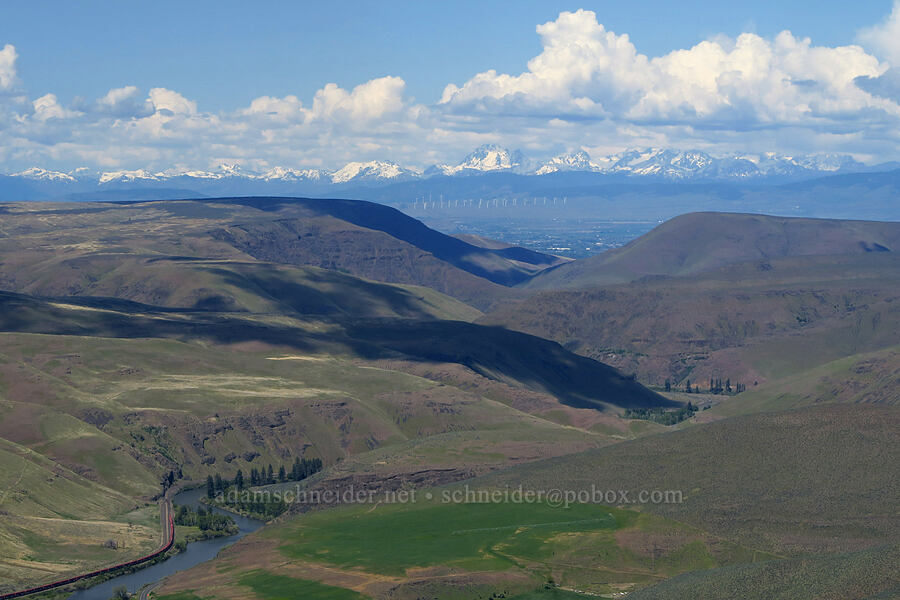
(175, 86)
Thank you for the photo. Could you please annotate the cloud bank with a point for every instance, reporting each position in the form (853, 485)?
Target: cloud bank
(589, 88)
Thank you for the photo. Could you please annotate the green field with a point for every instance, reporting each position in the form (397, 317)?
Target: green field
(392, 539)
(269, 586)
(447, 549)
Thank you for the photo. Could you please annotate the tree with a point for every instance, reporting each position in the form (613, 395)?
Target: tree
(220, 485)
(121, 593)
(270, 475)
(239, 480)
(210, 487)
(668, 385)
(282, 474)
(688, 386)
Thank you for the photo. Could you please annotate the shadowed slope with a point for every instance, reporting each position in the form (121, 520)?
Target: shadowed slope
(510, 357)
(56, 249)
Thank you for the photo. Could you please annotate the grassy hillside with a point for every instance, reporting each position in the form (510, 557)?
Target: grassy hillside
(111, 249)
(869, 377)
(113, 414)
(790, 483)
(234, 286)
(202, 337)
(859, 575)
(121, 394)
(698, 242)
(505, 266)
(54, 521)
(99, 405)
(509, 357)
(775, 504)
(748, 322)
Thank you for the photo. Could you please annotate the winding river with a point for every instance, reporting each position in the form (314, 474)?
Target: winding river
(196, 553)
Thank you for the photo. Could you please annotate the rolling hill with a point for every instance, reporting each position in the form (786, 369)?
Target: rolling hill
(748, 322)
(118, 394)
(66, 249)
(770, 504)
(195, 337)
(202, 337)
(698, 242)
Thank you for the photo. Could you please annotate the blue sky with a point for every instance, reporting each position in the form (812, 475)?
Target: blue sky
(209, 62)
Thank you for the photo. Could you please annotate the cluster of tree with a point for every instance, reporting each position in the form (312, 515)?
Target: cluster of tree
(300, 470)
(716, 386)
(206, 520)
(120, 593)
(168, 480)
(257, 505)
(662, 416)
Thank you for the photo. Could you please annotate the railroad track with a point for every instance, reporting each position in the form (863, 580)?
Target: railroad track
(167, 523)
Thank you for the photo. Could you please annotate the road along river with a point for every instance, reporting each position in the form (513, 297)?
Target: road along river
(196, 553)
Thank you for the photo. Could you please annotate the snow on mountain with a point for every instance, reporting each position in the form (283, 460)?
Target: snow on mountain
(40, 174)
(374, 170)
(662, 163)
(286, 174)
(488, 157)
(223, 171)
(578, 161)
(830, 162)
(129, 176)
(695, 164)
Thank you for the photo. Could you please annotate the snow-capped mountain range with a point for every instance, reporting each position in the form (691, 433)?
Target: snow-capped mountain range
(484, 159)
(658, 163)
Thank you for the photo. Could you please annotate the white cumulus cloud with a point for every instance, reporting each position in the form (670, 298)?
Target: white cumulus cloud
(172, 102)
(125, 101)
(370, 100)
(8, 58)
(48, 107)
(588, 87)
(884, 38)
(586, 70)
(280, 109)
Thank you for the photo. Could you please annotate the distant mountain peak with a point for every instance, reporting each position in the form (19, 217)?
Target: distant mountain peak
(287, 174)
(575, 161)
(667, 164)
(129, 176)
(373, 170)
(485, 158)
(40, 174)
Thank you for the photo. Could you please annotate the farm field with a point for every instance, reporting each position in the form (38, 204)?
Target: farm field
(432, 545)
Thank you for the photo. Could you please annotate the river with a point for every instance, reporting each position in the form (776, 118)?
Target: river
(196, 553)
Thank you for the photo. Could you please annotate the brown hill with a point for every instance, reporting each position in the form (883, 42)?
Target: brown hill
(750, 322)
(698, 242)
(109, 249)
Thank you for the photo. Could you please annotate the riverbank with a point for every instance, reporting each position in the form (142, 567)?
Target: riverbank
(196, 552)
